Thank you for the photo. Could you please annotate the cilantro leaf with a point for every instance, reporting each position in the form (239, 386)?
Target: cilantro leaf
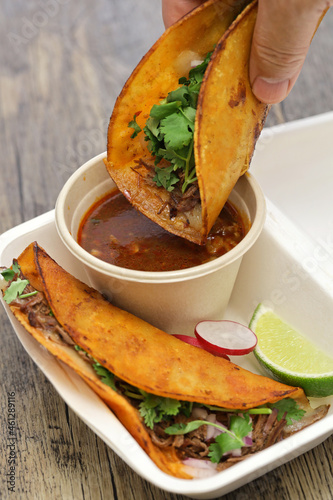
(15, 267)
(160, 111)
(177, 429)
(170, 406)
(166, 177)
(169, 130)
(181, 94)
(197, 73)
(154, 142)
(106, 376)
(231, 439)
(149, 416)
(134, 125)
(190, 113)
(289, 406)
(9, 273)
(215, 454)
(15, 289)
(176, 131)
(152, 126)
(177, 158)
(153, 408)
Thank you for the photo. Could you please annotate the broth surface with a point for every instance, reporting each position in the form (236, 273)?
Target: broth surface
(114, 231)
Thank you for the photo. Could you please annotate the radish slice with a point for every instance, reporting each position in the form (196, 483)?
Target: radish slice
(197, 343)
(226, 337)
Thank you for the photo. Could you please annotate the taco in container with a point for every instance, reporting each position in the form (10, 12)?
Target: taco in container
(193, 413)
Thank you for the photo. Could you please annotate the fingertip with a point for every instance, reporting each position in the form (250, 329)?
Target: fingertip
(270, 90)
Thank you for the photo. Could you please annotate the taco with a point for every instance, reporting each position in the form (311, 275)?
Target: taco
(156, 384)
(195, 128)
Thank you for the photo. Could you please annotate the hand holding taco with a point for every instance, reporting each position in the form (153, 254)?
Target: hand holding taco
(185, 125)
(281, 40)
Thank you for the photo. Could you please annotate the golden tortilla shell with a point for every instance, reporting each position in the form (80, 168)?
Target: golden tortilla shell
(138, 353)
(229, 118)
(141, 354)
(166, 460)
(234, 122)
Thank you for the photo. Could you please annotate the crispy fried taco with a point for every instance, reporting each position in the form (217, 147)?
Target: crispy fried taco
(185, 407)
(184, 128)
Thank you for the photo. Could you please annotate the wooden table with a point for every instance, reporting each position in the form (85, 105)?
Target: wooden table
(62, 64)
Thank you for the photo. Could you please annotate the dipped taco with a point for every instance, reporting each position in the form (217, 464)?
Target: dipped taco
(168, 394)
(184, 128)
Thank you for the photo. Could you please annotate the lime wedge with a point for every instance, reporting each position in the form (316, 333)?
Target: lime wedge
(290, 357)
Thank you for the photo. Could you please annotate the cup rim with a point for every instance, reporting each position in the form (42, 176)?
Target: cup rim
(114, 271)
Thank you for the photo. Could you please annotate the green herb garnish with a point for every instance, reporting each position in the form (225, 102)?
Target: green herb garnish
(289, 409)
(229, 439)
(106, 376)
(17, 287)
(14, 290)
(154, 409)
(9, 274)
(133, 124)
(169, 131)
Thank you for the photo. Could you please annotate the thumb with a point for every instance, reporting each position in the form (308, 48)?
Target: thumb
(172, 10)
(281, 39)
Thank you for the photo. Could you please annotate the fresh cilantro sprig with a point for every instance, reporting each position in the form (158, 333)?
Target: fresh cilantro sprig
(135, 126)
(154, 409)
(15, 290)
(288, 409)
(9, 273)
(105, 375)
(229, 439)
(169, 131)
(232, 439)
(17, 286)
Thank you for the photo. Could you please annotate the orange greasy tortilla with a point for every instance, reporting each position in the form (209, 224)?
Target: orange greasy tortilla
(138, 353)
(229, 117)
(141, 354)
(166, 460)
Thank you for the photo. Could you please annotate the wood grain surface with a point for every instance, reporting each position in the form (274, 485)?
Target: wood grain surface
(62, 64)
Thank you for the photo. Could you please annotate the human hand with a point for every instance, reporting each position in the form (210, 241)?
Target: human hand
(281, 40)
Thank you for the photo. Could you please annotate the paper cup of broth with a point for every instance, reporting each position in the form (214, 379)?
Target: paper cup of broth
(146, 279)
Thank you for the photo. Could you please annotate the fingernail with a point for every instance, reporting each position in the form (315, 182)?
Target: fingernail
(270, 90)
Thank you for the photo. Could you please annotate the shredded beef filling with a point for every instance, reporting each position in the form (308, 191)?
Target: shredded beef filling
(267, 430)
(40, 316)
(178, 201)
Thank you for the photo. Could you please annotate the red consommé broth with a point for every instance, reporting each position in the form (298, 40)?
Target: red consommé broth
(115, 232)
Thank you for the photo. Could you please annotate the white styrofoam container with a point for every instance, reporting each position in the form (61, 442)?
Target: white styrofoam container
(285, 269)
(293, 163)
